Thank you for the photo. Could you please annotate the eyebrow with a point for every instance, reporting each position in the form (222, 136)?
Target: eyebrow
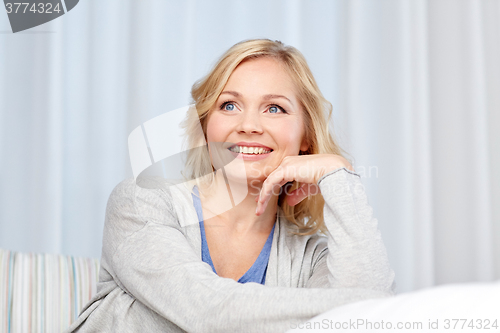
(266, 97)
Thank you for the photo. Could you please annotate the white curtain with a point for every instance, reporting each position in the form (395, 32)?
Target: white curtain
(418, 97)
(415, 88)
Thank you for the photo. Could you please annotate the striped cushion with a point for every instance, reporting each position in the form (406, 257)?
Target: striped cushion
(43, 292)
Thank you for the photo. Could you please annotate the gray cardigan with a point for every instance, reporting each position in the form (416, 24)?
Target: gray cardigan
(152, 278)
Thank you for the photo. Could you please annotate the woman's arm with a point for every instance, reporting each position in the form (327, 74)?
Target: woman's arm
(356, 256)
(149, 258)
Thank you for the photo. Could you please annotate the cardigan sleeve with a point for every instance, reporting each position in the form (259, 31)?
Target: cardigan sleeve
(356, 256)
(151, 260)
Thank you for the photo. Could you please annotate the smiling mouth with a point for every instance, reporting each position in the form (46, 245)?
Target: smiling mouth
(250, 150)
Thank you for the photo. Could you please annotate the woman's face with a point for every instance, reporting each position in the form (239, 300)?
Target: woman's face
(257, 107)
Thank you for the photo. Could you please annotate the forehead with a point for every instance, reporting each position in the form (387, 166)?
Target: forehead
(262, 76)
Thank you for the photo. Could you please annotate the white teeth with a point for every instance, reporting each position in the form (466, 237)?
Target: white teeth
(250, 150)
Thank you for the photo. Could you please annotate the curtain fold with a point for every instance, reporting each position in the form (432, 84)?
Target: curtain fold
(414, 86)
(461, 170)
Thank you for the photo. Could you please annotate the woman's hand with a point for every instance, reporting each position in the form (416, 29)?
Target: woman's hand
(306, 169)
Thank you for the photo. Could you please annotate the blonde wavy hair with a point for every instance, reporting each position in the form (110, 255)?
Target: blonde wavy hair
(307, 216)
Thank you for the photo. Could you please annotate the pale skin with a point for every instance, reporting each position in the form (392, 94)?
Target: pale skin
(259, 104)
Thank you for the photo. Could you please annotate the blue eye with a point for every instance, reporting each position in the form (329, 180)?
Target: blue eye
(229, 107)
(276, 109)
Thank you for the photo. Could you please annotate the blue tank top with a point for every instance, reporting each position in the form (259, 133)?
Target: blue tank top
(256, 273)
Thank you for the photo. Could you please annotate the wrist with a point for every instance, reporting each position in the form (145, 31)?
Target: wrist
(340, 169)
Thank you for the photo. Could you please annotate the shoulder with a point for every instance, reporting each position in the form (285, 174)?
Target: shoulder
(143, 193)
(136, 202)
(133, 204)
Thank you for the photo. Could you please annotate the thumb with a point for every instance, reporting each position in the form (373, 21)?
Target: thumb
(299, 194)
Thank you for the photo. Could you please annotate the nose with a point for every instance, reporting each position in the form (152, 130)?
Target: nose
(250, 122)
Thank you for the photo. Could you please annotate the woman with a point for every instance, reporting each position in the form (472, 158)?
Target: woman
(270, 258)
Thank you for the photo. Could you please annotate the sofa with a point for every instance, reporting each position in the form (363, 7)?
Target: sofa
(43, 292)
(46, 292)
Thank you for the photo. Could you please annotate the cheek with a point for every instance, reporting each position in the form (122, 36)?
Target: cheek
(293, 134)
(213, 128)
(209, 132)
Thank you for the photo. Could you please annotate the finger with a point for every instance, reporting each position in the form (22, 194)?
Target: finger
(299, 194)
(275, 190)
(269, 184)
(275, 180)
(264, 198)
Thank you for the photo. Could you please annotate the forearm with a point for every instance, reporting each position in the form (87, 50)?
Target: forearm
(356, 256)
(174, 283)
